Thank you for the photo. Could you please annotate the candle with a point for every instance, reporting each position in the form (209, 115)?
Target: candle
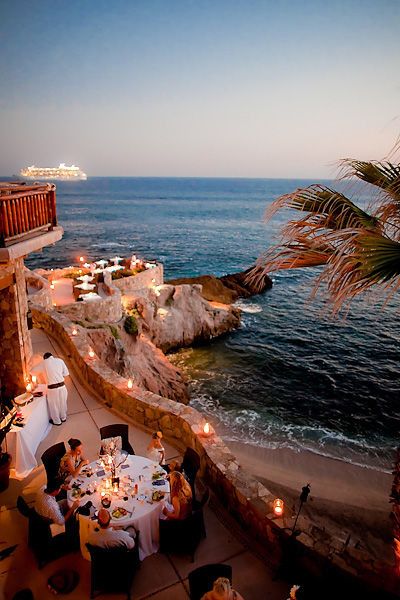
(34, 379)
(81, 259)
(74, 331)
(52, 286)
(91, 353)
(278, 507)
(130, 384)
(29, 387)
(206, 429)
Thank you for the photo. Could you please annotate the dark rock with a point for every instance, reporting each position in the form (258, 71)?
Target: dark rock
(229, 288)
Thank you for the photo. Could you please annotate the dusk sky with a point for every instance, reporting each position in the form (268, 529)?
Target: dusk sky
(198, 88)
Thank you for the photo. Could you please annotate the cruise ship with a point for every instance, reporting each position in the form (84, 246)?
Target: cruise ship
(62, 172)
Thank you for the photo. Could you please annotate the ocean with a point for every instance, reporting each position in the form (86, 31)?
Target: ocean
(292, 375)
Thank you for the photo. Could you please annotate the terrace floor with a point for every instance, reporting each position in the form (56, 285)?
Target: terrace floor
(161, 577)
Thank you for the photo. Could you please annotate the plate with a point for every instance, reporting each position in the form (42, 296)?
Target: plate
(119, 513)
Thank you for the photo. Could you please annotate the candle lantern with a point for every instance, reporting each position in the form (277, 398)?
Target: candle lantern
(206, 430)
(91, 353)
(278, 507)
(74, 331)
(130, 384)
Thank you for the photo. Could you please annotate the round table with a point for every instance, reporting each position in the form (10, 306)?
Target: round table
(143, 512)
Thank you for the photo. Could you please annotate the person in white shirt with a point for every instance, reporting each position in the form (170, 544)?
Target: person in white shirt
(107, 537)
(54, 370)
(47, 506)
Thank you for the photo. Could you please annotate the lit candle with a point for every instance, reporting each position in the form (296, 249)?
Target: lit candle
(28, 387)
(278, 507)
(206, 429)
(115, 490)
(91, 353)
(81, 259)
(107, 484)
(34, 379)
(130, 384)
(74, 331)
(52, 286)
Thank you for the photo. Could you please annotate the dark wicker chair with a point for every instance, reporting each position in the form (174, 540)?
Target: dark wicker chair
(190, 466)
(45, 547)
(51, 460)
(114, 430)
(201, 580)
(113, 569)
(183, 536)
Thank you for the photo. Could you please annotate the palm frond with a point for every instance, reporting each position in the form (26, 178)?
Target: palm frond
(384, 175)
(366, 260)
(327, 208)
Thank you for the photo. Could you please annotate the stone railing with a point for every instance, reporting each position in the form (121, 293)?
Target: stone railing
(38, 289)
(245, 498)
(145, 279)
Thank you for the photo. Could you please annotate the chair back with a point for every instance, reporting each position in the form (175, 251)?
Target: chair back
(23, 507)
(201, 580)
(108, 561)
(182, 535)
(51, 460)
(118, 429)
(190, 466)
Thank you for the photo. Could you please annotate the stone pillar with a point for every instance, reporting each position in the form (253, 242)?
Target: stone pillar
(15, 346)
(395, 514)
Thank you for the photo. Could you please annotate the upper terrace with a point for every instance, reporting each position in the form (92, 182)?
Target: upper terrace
(28, 218)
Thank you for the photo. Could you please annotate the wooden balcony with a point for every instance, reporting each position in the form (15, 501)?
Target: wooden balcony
(26, 211)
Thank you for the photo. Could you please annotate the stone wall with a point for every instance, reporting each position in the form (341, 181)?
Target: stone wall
(248, 500)
(145, 279)
(38, 289)
(15, 347)
(106, 310)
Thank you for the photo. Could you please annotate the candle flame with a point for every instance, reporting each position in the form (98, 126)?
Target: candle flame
(81, 259)
(74, 332)
(91, 353)
(29, 387)
(278, 507)
(130, 384)
(34, 379)
(206, 428)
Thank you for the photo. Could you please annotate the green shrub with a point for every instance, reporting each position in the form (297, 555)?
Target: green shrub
(130, 325)
(114, 332)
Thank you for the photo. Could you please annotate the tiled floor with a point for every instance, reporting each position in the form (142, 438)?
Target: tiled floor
(161, 577)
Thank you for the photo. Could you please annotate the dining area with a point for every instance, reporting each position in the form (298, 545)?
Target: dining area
(158, 573)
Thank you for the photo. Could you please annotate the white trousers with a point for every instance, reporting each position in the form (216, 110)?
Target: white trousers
(57, 403)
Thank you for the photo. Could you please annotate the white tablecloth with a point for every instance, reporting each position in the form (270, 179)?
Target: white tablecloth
(144, 514)
(22, 442)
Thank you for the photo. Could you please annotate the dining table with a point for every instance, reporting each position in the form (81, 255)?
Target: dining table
(23, 441)
(137, 501)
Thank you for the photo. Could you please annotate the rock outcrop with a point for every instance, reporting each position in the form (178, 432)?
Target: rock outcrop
(138, 358)
(176, 316)
(229, 288)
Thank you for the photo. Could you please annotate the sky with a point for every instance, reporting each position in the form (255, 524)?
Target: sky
(219, 88)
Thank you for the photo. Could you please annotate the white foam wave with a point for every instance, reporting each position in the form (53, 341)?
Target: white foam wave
(248, 308)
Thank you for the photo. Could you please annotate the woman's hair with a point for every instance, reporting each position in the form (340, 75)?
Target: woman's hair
(222, 586)
(156, 434)
(179, 486)
(74, 443)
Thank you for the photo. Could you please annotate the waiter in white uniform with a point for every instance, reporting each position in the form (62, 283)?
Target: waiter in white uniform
(55, 370)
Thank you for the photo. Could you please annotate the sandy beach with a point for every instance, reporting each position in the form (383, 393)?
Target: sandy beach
(345, 499)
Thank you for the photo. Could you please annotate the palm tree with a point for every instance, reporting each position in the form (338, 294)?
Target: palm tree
(358, 249)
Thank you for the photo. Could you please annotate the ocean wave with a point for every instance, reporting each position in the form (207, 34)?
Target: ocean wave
(248, 308)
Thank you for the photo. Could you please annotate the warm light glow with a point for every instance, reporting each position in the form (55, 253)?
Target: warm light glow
(91, 353)
(130, 384)
(81, 259)
(206, 428)
(52, 286)
(74, 332)
(54, 303)
(115, 490)
(29, 387)
(278, 507)
(34, 379)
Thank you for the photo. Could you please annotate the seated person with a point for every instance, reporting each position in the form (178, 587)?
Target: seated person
(47, 506)
(181, 497)
(155, 450)
(73, 461)
(105, 536)
(222, 590)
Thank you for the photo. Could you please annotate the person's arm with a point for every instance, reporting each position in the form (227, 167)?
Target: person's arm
(177, 509)
(71, 510)
(74, 472)
(65, 371)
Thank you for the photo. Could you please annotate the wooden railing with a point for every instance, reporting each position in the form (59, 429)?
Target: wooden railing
(25, 210)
